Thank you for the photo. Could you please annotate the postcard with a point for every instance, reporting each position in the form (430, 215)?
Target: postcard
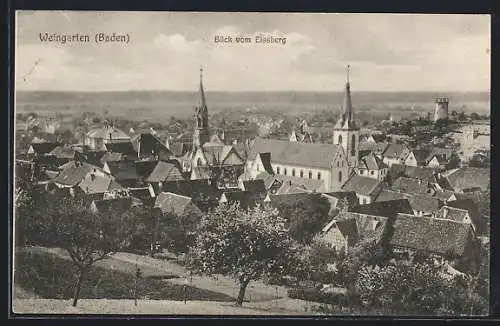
(245, 163)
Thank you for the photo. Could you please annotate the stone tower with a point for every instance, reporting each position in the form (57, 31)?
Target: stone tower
(441, 108)
(201, 131)
(346, 131)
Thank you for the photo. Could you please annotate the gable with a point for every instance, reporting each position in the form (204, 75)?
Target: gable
(232, 158)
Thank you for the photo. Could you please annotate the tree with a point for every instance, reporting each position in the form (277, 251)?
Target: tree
(305, 217)
(88, 237)
(245, 245)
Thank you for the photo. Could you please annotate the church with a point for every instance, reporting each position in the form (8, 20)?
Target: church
(330, 163)
(210, 158)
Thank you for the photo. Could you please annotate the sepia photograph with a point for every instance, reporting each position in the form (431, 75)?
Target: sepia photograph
(251, 164)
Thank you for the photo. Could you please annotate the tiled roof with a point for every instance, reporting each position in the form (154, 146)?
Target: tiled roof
(473, 209)
(309, 199)
(384, 208)
(164, 171)
(431, 235)
(468, 177)
(44, 147)
(369, 226)
(147, 144)
(386, 195)
(246, 199)
(410, 186)
(91, 157)
(312, 185)
(362, 185)
(298, 154)
(414, 172)
(443, 195)
(371, 162)
(97, 183)
(255, 186)
(452, 213)
(74, 172)
(347, 227)
(395, 151)
(125, 147)
(422, 155)
(63, 152)
(172, 203)
(350, 196)
(123, 170)
(426, 204)
(373, 147)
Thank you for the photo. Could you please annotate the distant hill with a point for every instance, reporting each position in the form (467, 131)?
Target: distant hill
(158, 104)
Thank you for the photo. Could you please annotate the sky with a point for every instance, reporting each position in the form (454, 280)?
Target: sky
(386, 52)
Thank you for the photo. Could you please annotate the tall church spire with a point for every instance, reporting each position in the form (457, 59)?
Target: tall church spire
(346, 119)
(202, 91)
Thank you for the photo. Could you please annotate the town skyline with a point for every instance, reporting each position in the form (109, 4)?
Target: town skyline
(386, 52)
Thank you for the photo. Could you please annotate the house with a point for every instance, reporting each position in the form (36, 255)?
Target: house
(124, 172)
(423, 205)
(42, 148)
(395, 154)
(372, 167)
(473, 215)
(164, 171)
(418, 157)
(446, 238)
(324, 162)
(63, 154)
(388, 208)
(125, 148)
(375, 148)
(413, 172)
(340, 234)
(411, 186)
(369, 227)
(148, 145)
(365, 188)
(170, 203)
(73, 172)
(96, 138)
(469, 179)
(246, 199)
(205, 194)
(98, 183)
(281, 184)
(341, 199)
(257, 186)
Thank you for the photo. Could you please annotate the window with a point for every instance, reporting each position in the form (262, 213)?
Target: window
(338, 164)
(340, 139)
(319, 175)
(278, 170)
(372, 172)
(301, 173)
(293, 172)
(284, 171)
(364, 200)
(361, 172)
(353, 145)
(340, 176)
(199, 163)
(310, 175)
(257, 167)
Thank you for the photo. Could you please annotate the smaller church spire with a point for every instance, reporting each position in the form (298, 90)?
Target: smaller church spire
(348, 68)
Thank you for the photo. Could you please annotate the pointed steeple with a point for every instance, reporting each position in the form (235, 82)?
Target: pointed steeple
(202, 91)
(346, 119)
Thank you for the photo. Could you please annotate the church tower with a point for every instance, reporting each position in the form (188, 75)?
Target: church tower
(346, 131)
(201, 132)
